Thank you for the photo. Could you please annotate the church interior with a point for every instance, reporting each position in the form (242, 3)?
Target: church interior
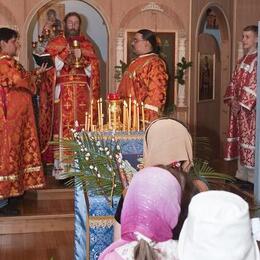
(205, 33)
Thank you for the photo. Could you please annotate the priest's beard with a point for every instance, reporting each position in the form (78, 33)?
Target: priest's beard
(71, 32)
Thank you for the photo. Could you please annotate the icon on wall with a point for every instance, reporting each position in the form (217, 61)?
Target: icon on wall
(50, 19)
(206, 76)
(211, 20)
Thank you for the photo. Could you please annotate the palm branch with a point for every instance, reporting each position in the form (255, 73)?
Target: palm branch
(95, 163)
(201, 169)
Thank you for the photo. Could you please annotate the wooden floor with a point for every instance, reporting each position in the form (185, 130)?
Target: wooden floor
(44, 230)
(37, 246)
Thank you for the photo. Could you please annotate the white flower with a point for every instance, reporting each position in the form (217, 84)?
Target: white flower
(106, 148)
(98, 175)
(91, 167)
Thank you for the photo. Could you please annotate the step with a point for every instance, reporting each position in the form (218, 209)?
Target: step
(53, 245)
(54, 190)
(39, 216)
(50, 194)
(35, 224)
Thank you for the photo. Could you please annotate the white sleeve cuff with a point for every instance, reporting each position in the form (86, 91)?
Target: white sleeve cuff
(88, 70)
(58, 63)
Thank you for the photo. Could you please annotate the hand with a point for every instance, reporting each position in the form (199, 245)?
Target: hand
(235, 108)
(42, 69)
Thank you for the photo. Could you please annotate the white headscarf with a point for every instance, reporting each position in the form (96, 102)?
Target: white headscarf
(218, 227)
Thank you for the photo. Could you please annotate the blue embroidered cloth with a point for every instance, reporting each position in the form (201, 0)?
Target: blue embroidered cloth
(97, 227)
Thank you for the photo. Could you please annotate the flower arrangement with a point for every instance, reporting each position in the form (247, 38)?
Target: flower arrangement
(96, 163)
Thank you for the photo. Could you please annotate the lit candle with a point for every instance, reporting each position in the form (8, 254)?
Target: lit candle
(143, 119)
(109, 116)
(134, 116)
(89, 127)
(137, 117)
(91, 115)
(102, 122)
(124, 114)
(114, 117)
(86, 121)
(99, 115)
(101, 107)
(129, 113)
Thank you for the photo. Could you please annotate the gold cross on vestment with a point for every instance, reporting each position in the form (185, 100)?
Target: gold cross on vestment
(67, 105)
(82, 104)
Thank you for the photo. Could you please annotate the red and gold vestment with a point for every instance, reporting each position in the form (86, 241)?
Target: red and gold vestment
(20, 158)
(67, 91)
(146, 81)
(242, 127)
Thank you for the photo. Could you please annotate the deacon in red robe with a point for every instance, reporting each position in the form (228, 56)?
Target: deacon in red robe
(20, 158)
(146, 77)
(241, 97)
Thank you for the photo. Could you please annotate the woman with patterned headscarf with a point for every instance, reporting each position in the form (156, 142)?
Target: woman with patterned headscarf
(149, 214)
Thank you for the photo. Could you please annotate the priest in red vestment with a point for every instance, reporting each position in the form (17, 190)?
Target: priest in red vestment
(20, 158)
(67, 90)
(241, 97)
(146, 77)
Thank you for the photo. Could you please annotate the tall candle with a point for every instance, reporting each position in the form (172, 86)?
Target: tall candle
(137, 117)
(89, 127)
(102, 122)
(98, 108)
(86, 121)
(134, 116)
(109, 116)
(143, 119)
(114, 113)
(91, 114)
(129, 114)
(101, 109)
(124, 115)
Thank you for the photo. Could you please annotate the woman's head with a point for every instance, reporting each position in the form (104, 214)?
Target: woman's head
(145, 42)
(217, 227)
(152, 205)
(167, 141)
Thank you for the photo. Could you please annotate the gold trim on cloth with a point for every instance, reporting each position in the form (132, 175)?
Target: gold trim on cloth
(126, 136)
(33, 169)
(151, 107)
(101, 221)
(15, 194)
(12, 177)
